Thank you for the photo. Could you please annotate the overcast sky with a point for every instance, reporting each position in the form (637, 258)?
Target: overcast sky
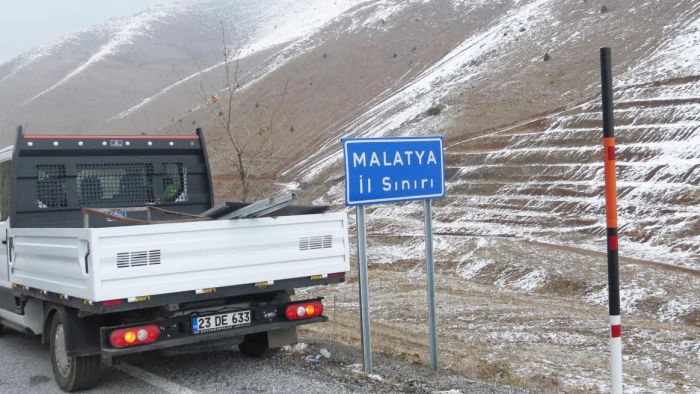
(25, 24)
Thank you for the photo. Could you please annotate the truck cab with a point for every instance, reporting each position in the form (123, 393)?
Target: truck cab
(5, 195)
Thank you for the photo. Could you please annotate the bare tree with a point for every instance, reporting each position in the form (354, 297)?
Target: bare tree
(252, 148)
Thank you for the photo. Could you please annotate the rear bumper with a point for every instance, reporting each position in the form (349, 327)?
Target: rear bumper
(176, 331)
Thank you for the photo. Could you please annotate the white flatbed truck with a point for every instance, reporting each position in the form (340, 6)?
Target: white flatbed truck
(112, 245)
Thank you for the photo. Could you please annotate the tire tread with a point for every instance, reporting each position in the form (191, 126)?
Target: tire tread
(85, 371)
(87, 374)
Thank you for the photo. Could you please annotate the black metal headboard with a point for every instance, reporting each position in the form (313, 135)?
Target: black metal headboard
(54, 176)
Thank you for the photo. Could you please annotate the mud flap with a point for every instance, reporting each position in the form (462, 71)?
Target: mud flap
(279, 338)
(82, 334)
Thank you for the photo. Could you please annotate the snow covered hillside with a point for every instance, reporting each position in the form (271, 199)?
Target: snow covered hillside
(523, 128)
(541, 177)
(147, 67)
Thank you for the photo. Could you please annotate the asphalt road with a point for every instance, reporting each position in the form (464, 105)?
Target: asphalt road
(25, 368)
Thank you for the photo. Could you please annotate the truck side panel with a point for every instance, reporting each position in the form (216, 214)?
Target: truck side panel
(189, 256)
(133, 261)
(51, 260)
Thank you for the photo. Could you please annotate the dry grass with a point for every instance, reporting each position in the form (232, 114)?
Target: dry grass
(537, 340)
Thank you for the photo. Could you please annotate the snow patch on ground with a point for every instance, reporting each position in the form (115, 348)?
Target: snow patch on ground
(531, 281)
(375, 377)
(417, 96)
(429, 87)
(163, 92)
(376, 15)
(295, 20)
(296, 348)
(673, 309)
(288, 26)
(126, 30)
(679, 56)
(471, 271)
(27, 59)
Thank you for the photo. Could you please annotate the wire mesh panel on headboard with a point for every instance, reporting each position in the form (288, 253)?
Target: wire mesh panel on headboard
(115, 185)
(51, 186)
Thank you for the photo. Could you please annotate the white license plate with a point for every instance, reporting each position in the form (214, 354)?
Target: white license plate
(219, 322)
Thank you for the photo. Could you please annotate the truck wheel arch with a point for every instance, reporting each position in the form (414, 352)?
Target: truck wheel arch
(82, 334)
(49, 311)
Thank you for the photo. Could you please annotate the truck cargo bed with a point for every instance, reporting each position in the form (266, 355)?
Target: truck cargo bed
(99, 264)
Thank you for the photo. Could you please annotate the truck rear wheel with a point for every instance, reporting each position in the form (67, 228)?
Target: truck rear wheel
(256, 345)
(71, 373)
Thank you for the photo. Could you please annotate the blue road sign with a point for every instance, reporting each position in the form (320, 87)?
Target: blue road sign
(379, 170)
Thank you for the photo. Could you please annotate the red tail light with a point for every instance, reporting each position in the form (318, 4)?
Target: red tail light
(111, 302)
(304, 310)
(132, 336)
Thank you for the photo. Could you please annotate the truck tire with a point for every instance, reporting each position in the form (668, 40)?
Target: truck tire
(71, 373)
(256, 345)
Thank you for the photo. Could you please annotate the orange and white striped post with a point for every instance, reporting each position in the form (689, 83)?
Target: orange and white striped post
(611, 220)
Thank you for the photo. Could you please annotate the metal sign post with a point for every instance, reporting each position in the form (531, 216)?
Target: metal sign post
(430, 278)
(364, 293)
(381, 170)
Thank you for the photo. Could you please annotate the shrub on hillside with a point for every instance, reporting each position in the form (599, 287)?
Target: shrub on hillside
(435, 110)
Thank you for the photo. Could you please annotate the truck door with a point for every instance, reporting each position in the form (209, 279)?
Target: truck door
(5, 193)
